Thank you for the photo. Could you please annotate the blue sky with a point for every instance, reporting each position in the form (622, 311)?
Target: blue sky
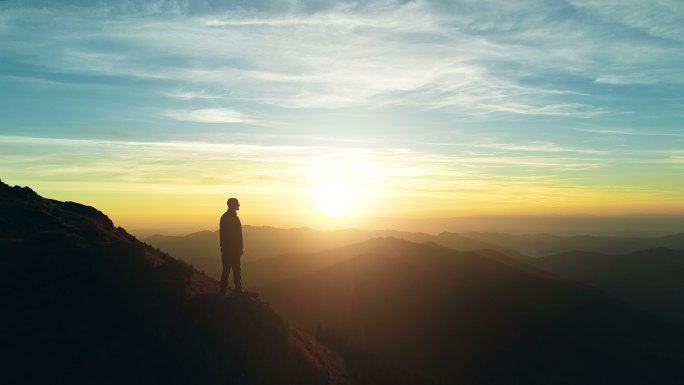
(437, 108)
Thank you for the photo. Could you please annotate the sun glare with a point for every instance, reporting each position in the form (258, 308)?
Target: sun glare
(334, 199)
(342, 187)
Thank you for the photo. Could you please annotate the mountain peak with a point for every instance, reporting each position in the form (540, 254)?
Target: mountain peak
(28, 216)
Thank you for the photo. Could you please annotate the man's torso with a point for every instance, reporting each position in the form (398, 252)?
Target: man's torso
(230, 232)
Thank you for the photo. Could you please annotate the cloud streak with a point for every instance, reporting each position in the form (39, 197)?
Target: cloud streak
(210, 115)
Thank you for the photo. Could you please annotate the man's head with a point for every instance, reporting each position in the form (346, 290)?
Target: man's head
(233, 204)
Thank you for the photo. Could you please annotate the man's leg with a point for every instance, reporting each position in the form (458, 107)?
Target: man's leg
(237, 273)
(224, 274)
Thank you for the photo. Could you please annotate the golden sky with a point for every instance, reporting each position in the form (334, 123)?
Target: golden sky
(184, 185)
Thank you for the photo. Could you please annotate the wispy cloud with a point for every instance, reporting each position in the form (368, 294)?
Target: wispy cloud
(191, 95)
(542, 147)
(660, 19)
(210, 115)
(630, 132)
(538, 147)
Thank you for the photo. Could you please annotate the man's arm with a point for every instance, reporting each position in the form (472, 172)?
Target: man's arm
(239, 232)
(222, 230)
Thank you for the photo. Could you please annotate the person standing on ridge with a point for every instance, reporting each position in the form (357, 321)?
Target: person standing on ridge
(231, 245)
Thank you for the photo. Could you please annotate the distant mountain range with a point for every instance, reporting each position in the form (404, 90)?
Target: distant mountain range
(202, 251)
(474, 318)
(539, 245)
(650, 279)
(631, 225)
(628, 225)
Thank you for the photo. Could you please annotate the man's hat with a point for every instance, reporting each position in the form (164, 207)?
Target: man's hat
(232, 202)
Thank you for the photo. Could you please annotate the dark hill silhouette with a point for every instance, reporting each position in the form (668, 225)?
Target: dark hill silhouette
(241, 340)
(201, 249)
(85, 302)
(468, 318)
(651, 279)
(539, 245)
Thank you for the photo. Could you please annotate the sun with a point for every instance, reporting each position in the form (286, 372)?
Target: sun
(334, 199)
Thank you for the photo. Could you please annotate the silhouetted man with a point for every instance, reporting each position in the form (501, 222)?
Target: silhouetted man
(231, 245)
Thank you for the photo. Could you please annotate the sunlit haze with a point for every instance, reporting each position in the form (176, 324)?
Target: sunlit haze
(328, 114)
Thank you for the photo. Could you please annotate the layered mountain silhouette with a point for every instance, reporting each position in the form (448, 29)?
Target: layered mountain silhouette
(629, 225)
(476, 318)
(651, 279)
(540, 245)
(84, 302)
(200, 249)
